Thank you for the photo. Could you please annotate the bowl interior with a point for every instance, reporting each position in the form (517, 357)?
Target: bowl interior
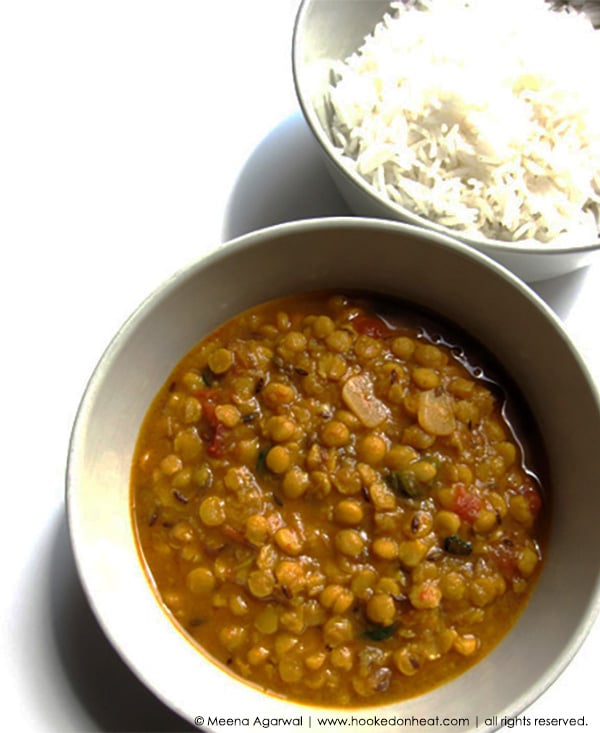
(395, 260)
(320, 38)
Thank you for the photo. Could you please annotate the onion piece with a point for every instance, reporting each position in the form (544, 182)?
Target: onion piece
(435, 414)
(358, 395)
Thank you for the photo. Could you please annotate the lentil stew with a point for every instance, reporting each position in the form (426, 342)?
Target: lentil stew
(332, 505)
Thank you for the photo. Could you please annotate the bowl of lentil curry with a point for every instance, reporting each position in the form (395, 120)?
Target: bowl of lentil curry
(332, 504)
(305, 475)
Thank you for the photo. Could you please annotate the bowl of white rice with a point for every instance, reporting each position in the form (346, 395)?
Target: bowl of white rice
(477, 119)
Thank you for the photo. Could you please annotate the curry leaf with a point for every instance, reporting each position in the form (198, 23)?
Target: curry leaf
(457, 546)
(379, 633)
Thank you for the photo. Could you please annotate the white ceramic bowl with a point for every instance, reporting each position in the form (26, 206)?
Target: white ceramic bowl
(390, 258)
(330, 30)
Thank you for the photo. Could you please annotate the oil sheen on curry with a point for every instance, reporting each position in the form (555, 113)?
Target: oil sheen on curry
(332, 505)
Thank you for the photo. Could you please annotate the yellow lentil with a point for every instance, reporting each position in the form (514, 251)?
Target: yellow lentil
(349, 542)
(335, 434)
(349, 512)
(295, 482)
(288, 541)
(229, 415)
(201, 581)
(280, 428)
(371, 449)
(381, 609)
(403, 347)
(336, 598)
(220, 361)
(385, 548)
(212, 511)
(425, 378)
(278, 459)
(261, 583)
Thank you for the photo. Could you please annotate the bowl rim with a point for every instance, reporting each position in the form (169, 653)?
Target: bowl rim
(335, 157)
(189, 271)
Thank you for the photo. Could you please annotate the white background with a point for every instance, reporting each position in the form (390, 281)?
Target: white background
(134, 137)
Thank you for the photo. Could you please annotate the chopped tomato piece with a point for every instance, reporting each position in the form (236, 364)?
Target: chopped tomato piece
(216, 447)
(466, 504)
(208, 393)
(371, 326)
(531, 493)
(216, 430)
(506, 556)
(209, 412)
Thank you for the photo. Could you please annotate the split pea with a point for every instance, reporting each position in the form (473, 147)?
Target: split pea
(371, 449)
(385, 547)
(295, 482)
(349, 542)
(220, 361)
(381, 609)
(212, 511)
(335, 434)
(200, 581)
(348, 512)
(278, 459)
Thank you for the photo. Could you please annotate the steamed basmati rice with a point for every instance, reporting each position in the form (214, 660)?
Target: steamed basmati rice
(478, 115)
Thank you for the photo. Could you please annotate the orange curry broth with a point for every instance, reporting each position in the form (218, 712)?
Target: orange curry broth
(331, 504)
